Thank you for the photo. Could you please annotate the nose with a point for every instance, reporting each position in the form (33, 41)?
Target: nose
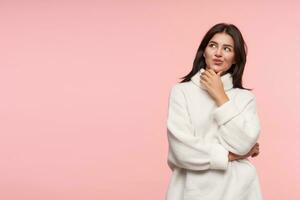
(218, 52)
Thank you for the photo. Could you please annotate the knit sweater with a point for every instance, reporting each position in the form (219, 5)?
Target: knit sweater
(201, 134)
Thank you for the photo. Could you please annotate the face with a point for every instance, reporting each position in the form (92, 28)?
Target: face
(219, 53)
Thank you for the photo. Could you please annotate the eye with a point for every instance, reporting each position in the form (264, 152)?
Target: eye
(227, 49)
(212, 45)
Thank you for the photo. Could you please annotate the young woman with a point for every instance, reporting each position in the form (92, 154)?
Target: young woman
(213, 124)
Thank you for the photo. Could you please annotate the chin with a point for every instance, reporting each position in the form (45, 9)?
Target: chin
(215, 68)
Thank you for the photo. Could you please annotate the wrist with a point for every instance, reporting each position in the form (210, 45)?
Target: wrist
(221, 100)
(233, 157)
(230, 156)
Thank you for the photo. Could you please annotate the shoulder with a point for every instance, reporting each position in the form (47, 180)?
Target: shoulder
(244, 95)
(178, 91)
(179, 87)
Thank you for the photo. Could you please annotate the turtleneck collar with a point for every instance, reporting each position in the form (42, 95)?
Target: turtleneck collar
(226, 79)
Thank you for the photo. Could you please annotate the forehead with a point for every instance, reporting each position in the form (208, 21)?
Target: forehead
(222, 38)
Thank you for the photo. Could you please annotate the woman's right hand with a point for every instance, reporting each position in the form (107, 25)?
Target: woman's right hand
(253, 152)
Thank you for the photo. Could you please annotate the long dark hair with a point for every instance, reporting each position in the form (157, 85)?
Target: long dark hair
(240, 50)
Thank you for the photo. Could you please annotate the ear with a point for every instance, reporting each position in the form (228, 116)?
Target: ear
(204, 55)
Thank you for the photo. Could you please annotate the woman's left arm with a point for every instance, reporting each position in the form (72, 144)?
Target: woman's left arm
(239, 124)
(239, 127)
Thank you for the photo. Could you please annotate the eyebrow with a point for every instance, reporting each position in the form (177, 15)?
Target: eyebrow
(223, 45)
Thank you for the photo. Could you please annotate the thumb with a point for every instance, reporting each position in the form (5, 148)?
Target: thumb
(219, 73)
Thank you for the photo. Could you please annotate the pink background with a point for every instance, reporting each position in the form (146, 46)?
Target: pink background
(84, 91)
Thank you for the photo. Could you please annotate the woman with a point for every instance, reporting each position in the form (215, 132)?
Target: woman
(213, 125)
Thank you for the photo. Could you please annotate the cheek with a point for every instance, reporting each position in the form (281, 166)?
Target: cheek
(230, 58)
(208, 54)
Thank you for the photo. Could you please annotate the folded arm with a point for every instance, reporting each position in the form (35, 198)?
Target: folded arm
(239, 124)
(185, 149)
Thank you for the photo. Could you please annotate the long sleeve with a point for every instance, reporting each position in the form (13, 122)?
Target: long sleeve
(186, 150)
(239, 124)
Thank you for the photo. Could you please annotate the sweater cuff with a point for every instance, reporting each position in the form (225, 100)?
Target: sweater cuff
(225, 112)
(219, 157)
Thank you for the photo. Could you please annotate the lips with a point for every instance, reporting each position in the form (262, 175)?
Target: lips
(217, 61)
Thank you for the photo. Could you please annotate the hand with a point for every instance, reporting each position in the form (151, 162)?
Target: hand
(253, 153)
(214, 86)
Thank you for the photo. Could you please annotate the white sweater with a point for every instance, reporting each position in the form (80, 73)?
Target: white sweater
(200, 136)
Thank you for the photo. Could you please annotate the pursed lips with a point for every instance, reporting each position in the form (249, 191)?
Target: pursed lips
(217, 61)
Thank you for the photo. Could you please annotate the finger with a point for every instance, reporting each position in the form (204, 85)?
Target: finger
(203, 82)
(253, 148)
(206, 77)
(254, 155)
(207, 73)
(206, 84)
(212, 72)
(256, 151)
